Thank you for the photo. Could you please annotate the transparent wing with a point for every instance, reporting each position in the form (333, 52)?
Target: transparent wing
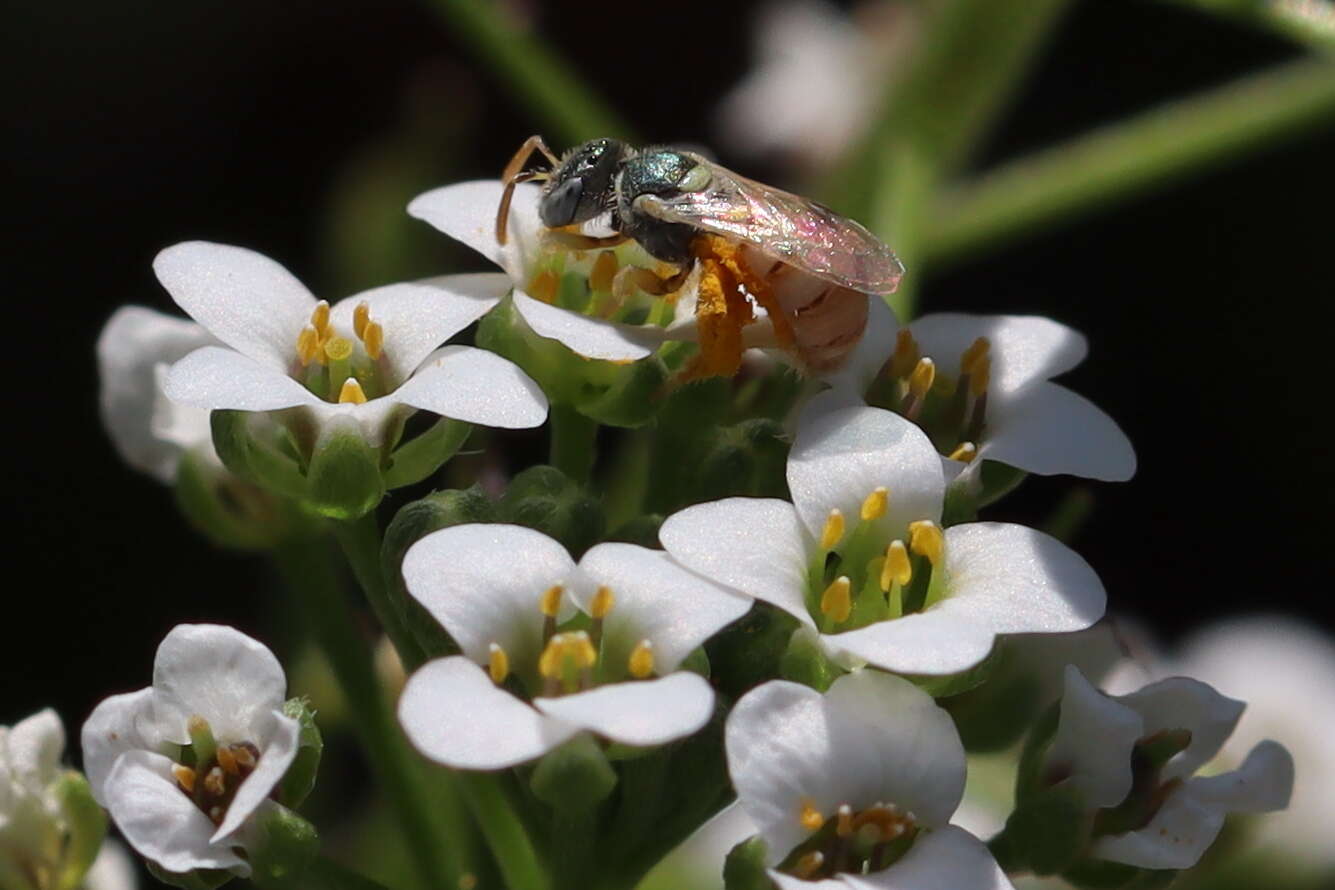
(785, 226)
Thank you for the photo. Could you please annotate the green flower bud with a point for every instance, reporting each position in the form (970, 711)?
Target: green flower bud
(344, 479)
(542, 498)
(85, 828)
(746, 459)
(1050, 831)
(299, 779)
(805, 662)
(200, 879)
(422, 455)
(575, 777)
(257, 450)
(744, 869)
(232, 512)
(642, 530)
(625, 395)
(282, 846)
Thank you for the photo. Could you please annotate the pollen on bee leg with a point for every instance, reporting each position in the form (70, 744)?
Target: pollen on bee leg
(836, 603)
(185, 777)
(833, 532)
(926, 539)
(964, 452)
(810, 817)
(874, 504)
(498, 663)
(351, 393)
(641, 661)
(603, 272)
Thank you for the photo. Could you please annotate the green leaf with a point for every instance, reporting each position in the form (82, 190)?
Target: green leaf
(422, 455)
(299, 779)
(744, 867)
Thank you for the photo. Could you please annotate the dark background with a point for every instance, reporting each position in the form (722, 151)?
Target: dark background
(138, 124)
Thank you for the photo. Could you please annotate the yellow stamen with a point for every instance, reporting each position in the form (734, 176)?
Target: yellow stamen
(922, 378)
(844, 827)
(836, 603)
(926, 539)
(215, 782)
(543, 286)
(604, 270)
(833, 532)
(602, 603)
(641, 662)
(244, 758)
(980, 376)
(374, 339)
(352, 393)
(811, 818)
(185, 777)
(582, 651)
(550, 601)
(977, 350)
(964, 451)
(360, 316)
(227, 760)
(498, 664)
(553, 656)
(906, 354)
(337, 349)
(809, 864)
(308, 345)
(897, 568)
(873, 505)
(320, 318)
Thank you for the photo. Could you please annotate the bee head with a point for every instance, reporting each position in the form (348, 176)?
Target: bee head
(582, 186)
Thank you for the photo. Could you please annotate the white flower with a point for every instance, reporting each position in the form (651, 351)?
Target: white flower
(865, 777)
(112, 870)
(900, 593)
(1135, 758)
(32, 828)
(980, 386)
(697, 862)
(372, 358)
(150, 431)
(183, 765)
(561, 294)
(505, 594)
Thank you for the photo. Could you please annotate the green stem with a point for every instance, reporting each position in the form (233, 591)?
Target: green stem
(1315, 28)
(329, 875)
(1121, 159)
(360, 542)
(505, 835)
(429, 833)
(553, 93)
(573, 440)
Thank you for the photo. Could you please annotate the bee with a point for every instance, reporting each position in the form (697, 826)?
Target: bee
(809, 268)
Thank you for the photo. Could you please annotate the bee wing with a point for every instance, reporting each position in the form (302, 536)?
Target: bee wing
(785, 226)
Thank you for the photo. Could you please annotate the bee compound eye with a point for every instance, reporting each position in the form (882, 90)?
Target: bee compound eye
(560, 204)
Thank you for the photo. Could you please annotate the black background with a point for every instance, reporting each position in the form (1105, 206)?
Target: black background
(138, 124)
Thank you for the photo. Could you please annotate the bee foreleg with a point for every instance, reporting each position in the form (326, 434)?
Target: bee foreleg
(632, 278)
(576, 241)
(514, 174)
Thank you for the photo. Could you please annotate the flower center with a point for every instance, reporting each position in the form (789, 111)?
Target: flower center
(863, 575)
(342, 369)
(209, 773)
(621, 284)
(575, 656)
(952, 410)
(853, 842)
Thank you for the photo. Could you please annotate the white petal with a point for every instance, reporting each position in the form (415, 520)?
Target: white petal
(113, 869)
(1184, 703)
(698, 861)
(1050, 430)
(466, 211)
(1178, 835)
(947, 859)
(214, 377)
(419, 316)
(1025, 348)
(840, 457)
(178, 426)
(755, 545)
(113, 728)
(656, 599)
(232, 681)
(454, 714)
(1093, 743)
(933, 643)
(639, 713)
(483, 584)
(590, 337)
(922, 766)
(788, 882)
(276, 754)
(1263, 784)
(243, 298)
(34, 748)
(475, 386)
(158, 820)
(134, 342)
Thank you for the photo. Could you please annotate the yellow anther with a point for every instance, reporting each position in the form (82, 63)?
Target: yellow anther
(227, 760)
(320, 317)
(543, 286)
(553, 656)
(833, 532)
(582, 651)
(215, 782)
(980, 376)
(926, 539)
(498, 663)
(873, 505)
(602, 603)
(373, 337)
(604, 270)
(360, 316)
(836, 603)
(308, 345)
(844, 827)
(337, 349)
(897, 569)
(809, 864)
(185, 777)
(550, 601)
(906, 354)
(244, 759)
(352, 393)
(978, 349)
(964, 451)
(922, 378)
(811, 818)
(641, 661)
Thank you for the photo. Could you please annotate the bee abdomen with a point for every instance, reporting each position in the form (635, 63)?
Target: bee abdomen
(827, 320)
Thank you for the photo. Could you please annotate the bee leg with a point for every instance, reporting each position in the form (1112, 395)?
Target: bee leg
(632, 278)
(514, 174)
(576, 241)
(721, 312)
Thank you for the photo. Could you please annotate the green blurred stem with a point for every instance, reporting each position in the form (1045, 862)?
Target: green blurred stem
(554, 94)
(1121, 159)
(429, 834)
(1276, 17)
(326, 874)
(573, 442)
(505, 835)
(360, 542)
